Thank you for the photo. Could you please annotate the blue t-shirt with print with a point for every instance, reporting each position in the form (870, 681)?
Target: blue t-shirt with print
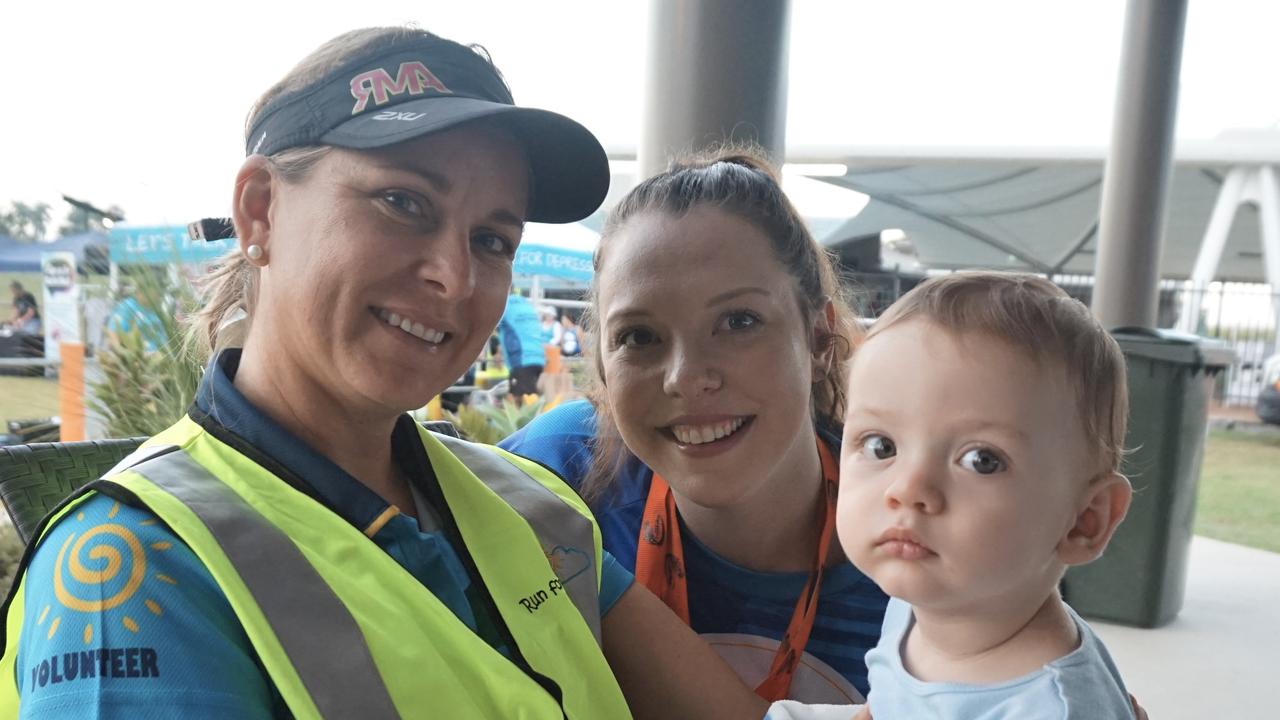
(741, 612)
(122, 620)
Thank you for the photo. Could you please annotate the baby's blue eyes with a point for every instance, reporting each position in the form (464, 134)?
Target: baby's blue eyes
(878, 447)
(979, 460)
(982, 461)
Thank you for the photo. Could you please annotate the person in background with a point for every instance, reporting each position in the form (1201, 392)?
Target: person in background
(550, 326)
(297, 546)
(129, 315)
(522, 339)
(26, 313)
(710, 449)
(570, 346)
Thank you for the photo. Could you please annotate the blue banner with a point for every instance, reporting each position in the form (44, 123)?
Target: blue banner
(163, 245)
(555, 262)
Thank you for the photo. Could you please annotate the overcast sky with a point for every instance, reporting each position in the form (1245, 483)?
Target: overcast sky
(142, 104)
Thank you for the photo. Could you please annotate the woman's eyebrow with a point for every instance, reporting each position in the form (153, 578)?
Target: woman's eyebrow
(437, 180)
(731, 294)
(506, 217)
(624, 314)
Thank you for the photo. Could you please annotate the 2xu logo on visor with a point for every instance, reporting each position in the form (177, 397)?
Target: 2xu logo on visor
(412, 77)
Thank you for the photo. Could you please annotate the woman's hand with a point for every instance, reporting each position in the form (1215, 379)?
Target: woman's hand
(665, 670)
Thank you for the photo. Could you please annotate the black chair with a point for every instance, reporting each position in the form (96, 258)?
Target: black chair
(35, 478)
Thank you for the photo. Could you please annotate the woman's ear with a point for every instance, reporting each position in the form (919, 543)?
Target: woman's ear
(1105, 505)
(823, 341)
(251, 207)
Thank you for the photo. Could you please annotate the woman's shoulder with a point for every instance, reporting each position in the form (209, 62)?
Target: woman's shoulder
(115, 604)
(573, 419)
(559, 439)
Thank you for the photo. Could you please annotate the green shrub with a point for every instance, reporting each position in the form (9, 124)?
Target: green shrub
(149, 375)
(488, 424)
(11, 548)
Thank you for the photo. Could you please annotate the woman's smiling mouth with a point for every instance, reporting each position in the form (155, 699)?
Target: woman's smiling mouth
(408, 325)
(704, 433)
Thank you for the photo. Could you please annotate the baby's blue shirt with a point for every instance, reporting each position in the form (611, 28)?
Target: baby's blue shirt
(1082, 685)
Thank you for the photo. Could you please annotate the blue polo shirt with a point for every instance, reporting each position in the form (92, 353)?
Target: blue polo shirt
(98, 644)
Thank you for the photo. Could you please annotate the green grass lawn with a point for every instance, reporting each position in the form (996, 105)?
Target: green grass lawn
(27, 397)
(1239, 498)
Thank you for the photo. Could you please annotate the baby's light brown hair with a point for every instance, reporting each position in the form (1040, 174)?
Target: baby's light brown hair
(1039, 318)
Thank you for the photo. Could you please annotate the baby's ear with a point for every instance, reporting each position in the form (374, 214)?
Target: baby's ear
(1105, 503)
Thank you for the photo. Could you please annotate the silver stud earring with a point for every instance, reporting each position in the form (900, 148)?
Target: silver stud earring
(254, 252)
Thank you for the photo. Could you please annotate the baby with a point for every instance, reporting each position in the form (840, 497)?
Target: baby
(982, 445)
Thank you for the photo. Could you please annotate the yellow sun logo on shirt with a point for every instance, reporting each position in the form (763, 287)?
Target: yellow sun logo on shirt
(104, 555)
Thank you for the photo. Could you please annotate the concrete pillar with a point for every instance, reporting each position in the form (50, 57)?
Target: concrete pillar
(716, 71)
(1136, 182)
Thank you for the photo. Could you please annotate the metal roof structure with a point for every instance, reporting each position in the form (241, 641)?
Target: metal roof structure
(1034, 209)
(1037, 208)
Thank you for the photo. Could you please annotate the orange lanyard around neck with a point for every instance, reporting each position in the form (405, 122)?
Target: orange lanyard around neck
(660, 567)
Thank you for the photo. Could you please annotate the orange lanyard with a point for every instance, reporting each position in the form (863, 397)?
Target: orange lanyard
(660, 567)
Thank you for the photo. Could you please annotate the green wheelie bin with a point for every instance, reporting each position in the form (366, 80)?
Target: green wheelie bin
(1141, 578)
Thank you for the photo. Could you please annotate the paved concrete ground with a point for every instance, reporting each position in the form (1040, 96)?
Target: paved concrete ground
(1220, 658)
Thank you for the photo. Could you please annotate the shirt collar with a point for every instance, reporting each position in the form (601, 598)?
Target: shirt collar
(220, 400)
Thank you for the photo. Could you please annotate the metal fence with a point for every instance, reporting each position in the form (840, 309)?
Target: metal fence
(1244, 315)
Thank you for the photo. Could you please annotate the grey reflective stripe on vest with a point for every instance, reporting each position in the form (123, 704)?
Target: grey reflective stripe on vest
(304, 613)
(555, 522)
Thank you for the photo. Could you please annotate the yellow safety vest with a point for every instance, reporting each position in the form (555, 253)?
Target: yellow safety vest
(308, 587)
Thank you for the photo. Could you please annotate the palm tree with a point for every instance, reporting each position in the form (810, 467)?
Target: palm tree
(25, 223)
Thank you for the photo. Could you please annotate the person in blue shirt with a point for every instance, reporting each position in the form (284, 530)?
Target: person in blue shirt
(130, 315)
(570, 346)
(709, 453)
(522, 339)
(296, 545)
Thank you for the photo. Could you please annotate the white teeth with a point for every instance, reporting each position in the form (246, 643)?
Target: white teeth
(415, 329)
(702, 434)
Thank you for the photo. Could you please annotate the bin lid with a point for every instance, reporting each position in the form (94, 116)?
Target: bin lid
(1175, 347)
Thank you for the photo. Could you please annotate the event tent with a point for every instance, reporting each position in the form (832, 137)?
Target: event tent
(25, 257)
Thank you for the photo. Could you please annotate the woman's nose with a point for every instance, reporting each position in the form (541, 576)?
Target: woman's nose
(691, 373)
(447, 264)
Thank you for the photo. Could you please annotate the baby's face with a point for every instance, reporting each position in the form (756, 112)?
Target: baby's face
(963, 468)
